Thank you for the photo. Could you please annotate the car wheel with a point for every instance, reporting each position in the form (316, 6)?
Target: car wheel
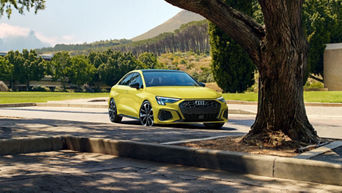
(112, 111)
(213, 125)
(146, 114)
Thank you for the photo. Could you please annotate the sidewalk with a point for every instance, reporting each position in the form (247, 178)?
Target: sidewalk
(332, 155)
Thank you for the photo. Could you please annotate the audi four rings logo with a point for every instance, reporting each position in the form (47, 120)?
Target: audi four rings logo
(200, 103)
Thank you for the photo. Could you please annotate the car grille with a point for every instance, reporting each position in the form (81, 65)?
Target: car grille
(200, 110)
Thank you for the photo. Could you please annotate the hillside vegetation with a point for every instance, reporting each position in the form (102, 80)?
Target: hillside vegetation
(192, 36)
(170, 25)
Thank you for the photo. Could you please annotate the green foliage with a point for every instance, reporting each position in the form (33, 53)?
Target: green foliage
(148, 60)
(313, 84)
(309, 96)
(190, 37)
(16, 60)
(85, 48)
(6, 69)
(115, 65)
(59, 67)
(41, 89)
(41, 97)
(231, 66)
(322, 20)
(20, 5)
(23, 67)
(33, 67)
(80, 71)
(204, 76)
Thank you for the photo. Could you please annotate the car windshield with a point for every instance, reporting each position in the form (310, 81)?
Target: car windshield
(168, 78)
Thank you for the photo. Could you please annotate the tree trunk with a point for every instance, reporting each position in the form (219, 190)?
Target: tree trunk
(281, 112)
(279, 51)
(27, 85)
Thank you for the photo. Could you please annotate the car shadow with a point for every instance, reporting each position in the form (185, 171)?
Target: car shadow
(128, 130)
(181, 126)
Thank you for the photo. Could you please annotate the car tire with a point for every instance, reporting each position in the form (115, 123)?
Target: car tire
(112, 111)
(213, 125)
(146, 114)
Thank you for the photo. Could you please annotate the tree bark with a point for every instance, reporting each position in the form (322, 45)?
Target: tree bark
(279, 51)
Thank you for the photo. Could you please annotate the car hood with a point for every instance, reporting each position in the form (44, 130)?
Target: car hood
(184, 92)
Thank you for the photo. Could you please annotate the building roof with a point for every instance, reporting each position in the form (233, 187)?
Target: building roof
(334, 46)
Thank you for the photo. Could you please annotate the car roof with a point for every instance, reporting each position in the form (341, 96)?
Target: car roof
(159, 70)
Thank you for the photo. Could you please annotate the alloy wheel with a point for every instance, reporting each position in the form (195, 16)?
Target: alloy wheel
(112, 111)
(146, 114)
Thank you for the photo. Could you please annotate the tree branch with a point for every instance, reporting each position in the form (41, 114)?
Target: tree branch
(242, 28)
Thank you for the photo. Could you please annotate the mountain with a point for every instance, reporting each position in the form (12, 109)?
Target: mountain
(22, 42)
(170, 25)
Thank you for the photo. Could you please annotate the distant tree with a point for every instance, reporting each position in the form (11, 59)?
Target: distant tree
(80, 71)
(323, 24)
(6, 69)
(117, 64)
(127, 62)
(59, 67)
(32, 68)
(148, 60)
(16, 60)
(20, 5)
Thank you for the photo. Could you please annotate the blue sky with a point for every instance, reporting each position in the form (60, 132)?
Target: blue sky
(78, 21)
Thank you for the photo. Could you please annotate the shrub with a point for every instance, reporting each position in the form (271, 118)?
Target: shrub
(41, 88)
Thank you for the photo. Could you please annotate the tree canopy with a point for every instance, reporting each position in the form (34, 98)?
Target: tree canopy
(7, 6)
(232, 69)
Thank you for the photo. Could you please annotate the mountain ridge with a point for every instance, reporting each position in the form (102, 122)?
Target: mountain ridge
(170, 25)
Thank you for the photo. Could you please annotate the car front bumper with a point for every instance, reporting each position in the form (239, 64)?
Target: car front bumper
(186, 111)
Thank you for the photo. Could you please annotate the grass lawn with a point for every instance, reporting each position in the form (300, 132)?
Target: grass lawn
(39, 97)
(309, 96)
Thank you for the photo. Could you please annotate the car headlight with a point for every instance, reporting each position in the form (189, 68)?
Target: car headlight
(221, 99)
(163, 100)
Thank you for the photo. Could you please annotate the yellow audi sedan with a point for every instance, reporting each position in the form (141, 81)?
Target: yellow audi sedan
(166, 97)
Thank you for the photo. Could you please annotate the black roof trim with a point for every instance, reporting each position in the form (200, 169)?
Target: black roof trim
(159, 70)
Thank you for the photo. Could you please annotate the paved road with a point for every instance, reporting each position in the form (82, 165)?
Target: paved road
(326, 120)
(68, 171)
(52, 121)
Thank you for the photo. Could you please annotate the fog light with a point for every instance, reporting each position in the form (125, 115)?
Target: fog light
(164, 115)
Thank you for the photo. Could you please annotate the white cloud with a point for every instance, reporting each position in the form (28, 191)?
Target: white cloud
(66, 39)
(7, 31)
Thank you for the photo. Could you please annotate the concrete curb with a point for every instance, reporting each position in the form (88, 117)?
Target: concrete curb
(239, 111)
(30, 145)
(306, 104)
(271, 166)
(71, 105)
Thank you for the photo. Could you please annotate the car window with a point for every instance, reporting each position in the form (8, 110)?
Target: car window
(127, 79)
(168, 78)
(136, 78)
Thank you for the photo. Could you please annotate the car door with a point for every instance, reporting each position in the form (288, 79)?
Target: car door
(134, 96)
(122, 91)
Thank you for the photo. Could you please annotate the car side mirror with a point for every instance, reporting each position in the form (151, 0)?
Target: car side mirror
(135, 85)
(202, 84)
